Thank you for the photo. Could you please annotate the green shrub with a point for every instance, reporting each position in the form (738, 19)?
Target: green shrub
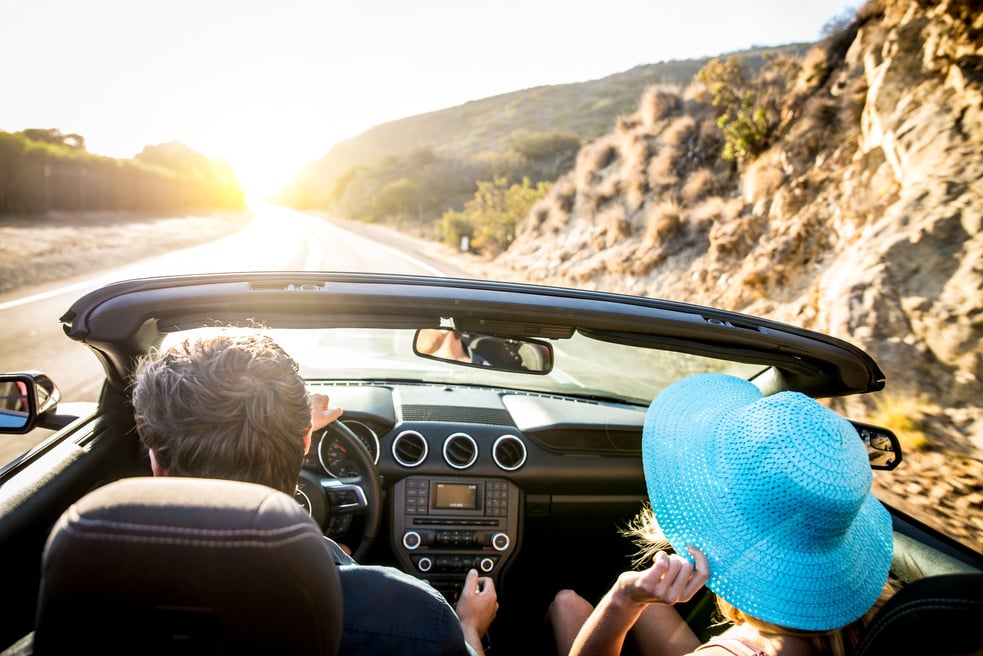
(489, 219)
(748, 109)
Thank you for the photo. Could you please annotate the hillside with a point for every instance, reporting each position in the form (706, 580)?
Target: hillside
(860, 218)
(467, 135)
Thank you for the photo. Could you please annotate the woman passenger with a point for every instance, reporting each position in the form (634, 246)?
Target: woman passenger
(767, 501)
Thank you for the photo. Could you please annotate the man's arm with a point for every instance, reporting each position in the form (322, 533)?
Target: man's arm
(476, 608)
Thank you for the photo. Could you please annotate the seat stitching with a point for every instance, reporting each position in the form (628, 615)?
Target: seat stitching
(205, 539)
(135, 526)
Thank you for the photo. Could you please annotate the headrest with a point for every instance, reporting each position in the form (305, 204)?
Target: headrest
(168, 565)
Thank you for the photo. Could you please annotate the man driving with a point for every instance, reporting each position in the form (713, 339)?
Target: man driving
(233, 405)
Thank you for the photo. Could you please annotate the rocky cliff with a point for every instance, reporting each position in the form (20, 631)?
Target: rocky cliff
(860, 219)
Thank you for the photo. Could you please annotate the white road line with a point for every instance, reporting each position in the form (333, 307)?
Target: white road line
(412, 260)
(90, 284)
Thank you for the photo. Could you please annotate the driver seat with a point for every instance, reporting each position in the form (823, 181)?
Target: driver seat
(187, 566)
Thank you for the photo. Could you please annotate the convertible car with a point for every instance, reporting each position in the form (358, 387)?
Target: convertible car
(486, 424)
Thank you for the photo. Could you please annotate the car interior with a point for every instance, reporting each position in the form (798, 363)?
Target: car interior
(512, 463)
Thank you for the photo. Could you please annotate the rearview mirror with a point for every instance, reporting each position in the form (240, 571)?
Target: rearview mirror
(519, 355)
(24, 398)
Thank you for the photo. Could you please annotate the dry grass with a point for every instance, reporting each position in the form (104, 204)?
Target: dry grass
(38, 249)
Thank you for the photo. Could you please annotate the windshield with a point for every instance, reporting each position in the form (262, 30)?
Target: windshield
(583, 366)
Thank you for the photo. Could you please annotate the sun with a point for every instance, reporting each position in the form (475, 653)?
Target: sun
(264, 176)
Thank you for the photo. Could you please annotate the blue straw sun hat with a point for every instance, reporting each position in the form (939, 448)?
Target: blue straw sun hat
(776, 492)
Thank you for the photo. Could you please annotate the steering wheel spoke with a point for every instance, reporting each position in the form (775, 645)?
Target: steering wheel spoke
(345, 497)
(333, 501)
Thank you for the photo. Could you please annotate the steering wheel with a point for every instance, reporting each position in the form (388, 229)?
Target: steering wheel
(333, 501)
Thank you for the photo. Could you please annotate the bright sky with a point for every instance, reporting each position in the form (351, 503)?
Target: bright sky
(270, 86)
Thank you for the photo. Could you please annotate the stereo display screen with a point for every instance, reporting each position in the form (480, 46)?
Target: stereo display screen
(456, 496)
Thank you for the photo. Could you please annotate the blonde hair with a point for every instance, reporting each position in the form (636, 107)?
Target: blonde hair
(645, 533)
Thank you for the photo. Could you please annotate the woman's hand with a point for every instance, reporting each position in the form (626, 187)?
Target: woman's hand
(670, 580)
(321, 412)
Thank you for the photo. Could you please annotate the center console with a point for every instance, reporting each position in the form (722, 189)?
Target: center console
(444, 526)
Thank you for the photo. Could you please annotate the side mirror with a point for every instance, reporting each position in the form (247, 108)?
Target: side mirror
(883, 446)
(517, 355)
(24, 399)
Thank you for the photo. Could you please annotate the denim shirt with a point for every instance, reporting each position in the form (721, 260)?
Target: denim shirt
(387, 611)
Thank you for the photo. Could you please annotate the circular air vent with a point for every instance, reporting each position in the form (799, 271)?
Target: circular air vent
(460, 450)
(509, 452)
(410, 448)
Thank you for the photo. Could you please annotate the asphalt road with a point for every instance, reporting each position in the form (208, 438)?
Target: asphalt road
(31, 336)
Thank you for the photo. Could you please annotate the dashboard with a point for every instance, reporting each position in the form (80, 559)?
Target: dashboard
(462, 467)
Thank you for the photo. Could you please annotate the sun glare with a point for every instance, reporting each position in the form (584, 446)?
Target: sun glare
(263, 176)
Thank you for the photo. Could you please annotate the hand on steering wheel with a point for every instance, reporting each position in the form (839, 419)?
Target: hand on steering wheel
(322, 413)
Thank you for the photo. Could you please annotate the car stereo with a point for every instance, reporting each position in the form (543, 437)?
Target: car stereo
(444, 526)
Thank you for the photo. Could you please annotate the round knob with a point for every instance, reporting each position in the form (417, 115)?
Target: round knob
(486, 565)
(412, 540)
(424, 564)
(500, 541)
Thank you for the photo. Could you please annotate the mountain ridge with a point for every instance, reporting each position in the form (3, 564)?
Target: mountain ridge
(585, 109)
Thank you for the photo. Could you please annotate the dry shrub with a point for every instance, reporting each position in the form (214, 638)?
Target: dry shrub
(594, 158)
(584, 270)
(634, 175)
(634, 198)
(814, 72)
(623, 124)
(614, 226)
(762, 178)
(699, 184)
(661, 169)
(755, 281)
(658, 103)
(679, 130)
(705, 214)
(662, 223)
(607, 190)
(732, 235)
(620, 262)
(564, 194)
(818, 129)
(694, 93)
(646, 258)
(605, 155)
(533, 225)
